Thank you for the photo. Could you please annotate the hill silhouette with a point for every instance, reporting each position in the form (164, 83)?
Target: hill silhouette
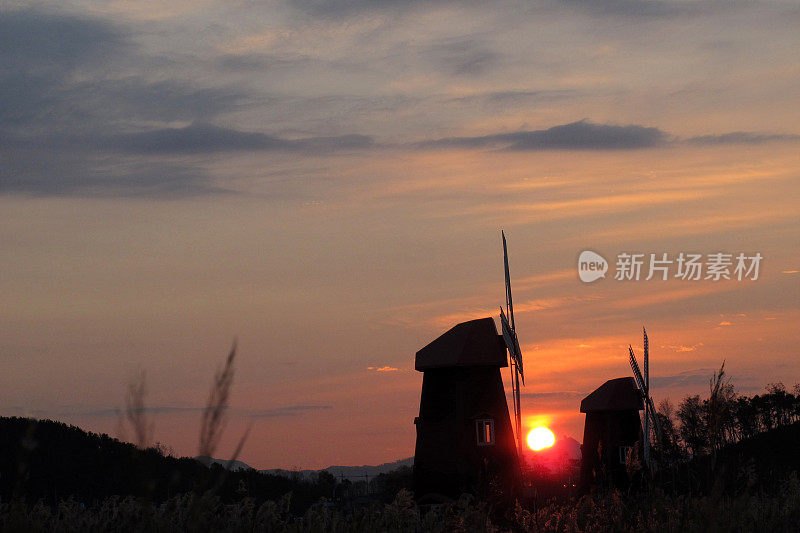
(48, 460)
(51, 461)
(758, 462)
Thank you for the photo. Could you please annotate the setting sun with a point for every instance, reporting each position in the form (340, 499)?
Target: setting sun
(540, 438)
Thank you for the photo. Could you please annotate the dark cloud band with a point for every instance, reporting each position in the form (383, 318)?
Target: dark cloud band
(582, 135)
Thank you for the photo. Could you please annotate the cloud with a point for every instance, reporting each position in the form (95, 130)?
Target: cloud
(564, 395)
(682, 348)
(587, 135)
(699, 376)
(285, 411)
(581, 135)
(461, 57)
(39, 41)
(134, 97)
(61, 173)
(204, 138)
(741, 137)
(383, 369)
(643, 8)
(63, 73)
(106, 412)
(602, 8)
(62, 106)
(504, 99)
(86, 111)
(244, 62)
(40, 51)
(340, 8)
(289, 410)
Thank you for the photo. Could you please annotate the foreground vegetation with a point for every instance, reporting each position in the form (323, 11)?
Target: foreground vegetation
(596, 512)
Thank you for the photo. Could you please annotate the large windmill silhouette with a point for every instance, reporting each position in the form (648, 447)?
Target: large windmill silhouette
(465, 438)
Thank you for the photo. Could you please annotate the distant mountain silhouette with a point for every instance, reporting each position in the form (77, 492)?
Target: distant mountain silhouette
(233, 466)
(571, 447)
(352, 473)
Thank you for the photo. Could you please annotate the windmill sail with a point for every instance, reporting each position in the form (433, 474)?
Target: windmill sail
(653, 415)
(510, 329)
(512, 343)
(646, 361)
(642, 385)
(643, 382)
(509, 301)
(636, 372)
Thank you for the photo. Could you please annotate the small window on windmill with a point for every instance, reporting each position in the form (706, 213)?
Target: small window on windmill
(485, 431)
(624, 454)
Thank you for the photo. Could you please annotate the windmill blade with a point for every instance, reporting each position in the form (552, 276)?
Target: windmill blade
(654, 417)
(509, 300)
(512, 343)
(511, 336)
(508, 336)
(636, 372)
(646, 362)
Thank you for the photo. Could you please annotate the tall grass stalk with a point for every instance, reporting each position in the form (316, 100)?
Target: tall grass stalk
(136, 415)
(214, 419)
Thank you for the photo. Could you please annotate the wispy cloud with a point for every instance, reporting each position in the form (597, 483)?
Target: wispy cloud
(654, 9)
(562, 395)
(105, 412)
(287, 411)
(688, 378)
(61, 173)
(520, 307)
(205, 138)
(462, 56)
(670, 293)
(58, 102)
(587, 135)
(682, 348)
(741, 137)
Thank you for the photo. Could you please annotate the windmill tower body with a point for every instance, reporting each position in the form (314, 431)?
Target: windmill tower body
(465, 439)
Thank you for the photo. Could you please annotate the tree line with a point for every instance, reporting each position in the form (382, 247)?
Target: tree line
(702, 426)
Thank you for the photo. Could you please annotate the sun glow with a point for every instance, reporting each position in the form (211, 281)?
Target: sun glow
(540, 438)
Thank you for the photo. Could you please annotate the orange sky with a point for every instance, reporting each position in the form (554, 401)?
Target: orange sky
(327, 184)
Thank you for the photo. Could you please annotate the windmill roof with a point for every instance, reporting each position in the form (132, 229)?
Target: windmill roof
(472, 343)
(618, 394)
